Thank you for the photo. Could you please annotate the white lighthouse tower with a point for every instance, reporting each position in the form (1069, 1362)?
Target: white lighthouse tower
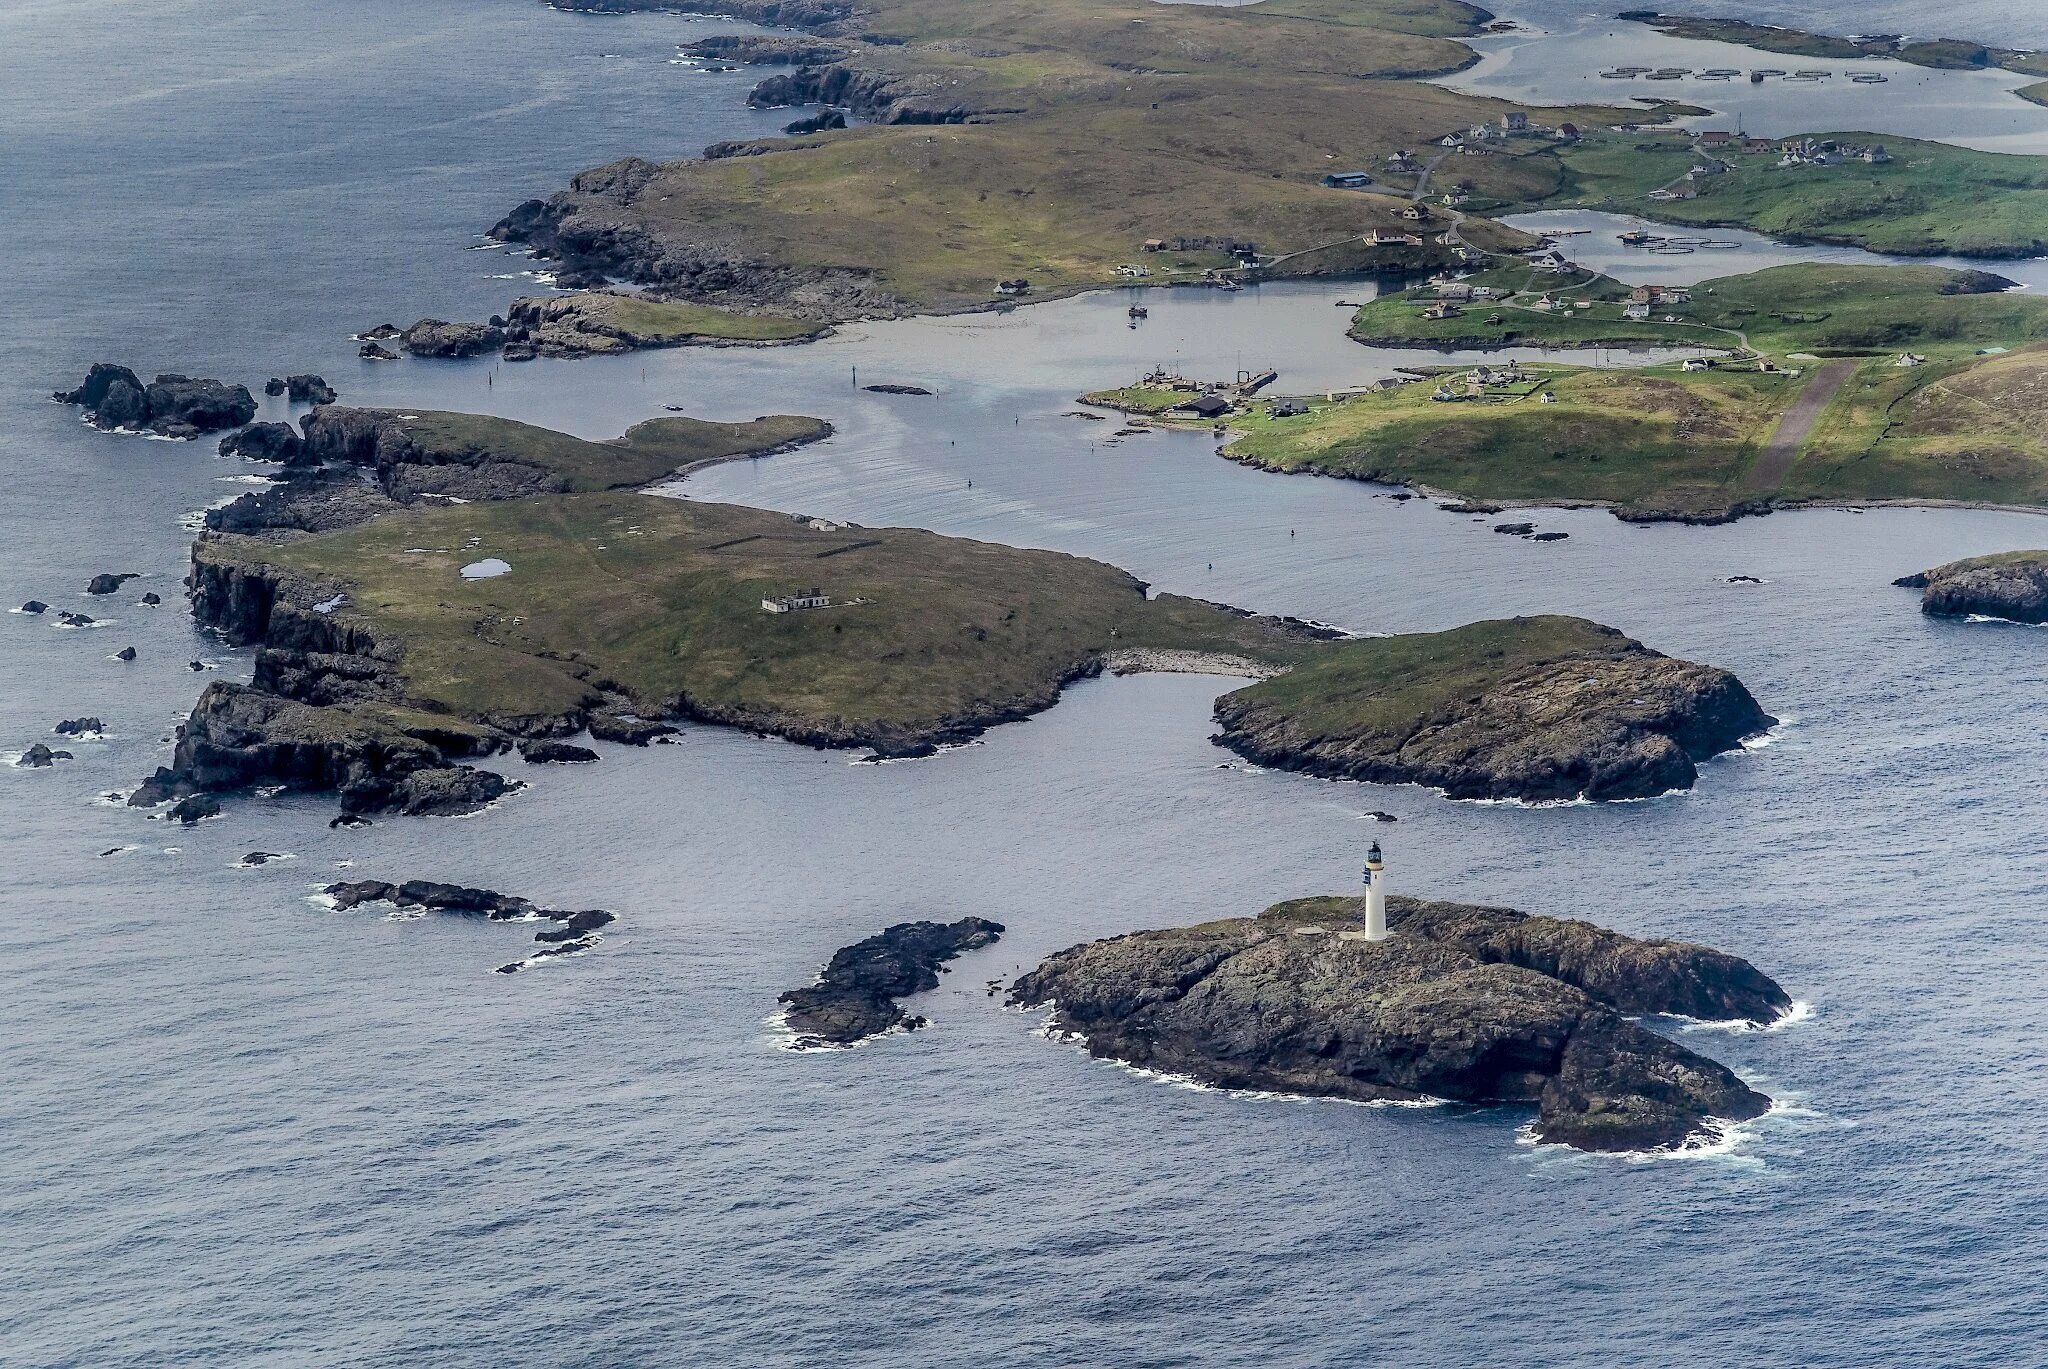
(1375, 895)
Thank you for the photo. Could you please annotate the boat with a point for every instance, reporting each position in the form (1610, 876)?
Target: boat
(1225, 283)
(1756, 78)
(1636, 237)
(1139, 311)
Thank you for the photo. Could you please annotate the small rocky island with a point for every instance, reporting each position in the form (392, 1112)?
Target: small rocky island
(116, 399)
(1542, 708)
(2012, 585)
(571, 934)
(1471, 1004)
(855, 997)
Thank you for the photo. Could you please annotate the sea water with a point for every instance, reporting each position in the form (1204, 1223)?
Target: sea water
(240, 1128)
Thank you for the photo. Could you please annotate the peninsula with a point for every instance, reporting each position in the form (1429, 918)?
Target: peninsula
(1837, 384)
(1536, 709)
(1946, 54)
(1470, 1004)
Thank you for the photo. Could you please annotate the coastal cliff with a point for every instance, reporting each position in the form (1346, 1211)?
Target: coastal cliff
(1536, 709)
(1471, 1004)
(2012, 585)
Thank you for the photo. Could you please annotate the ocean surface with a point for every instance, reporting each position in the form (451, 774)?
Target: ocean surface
(240, 1129)
(1558, 49)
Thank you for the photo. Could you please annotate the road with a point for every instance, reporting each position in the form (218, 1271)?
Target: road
(1794, 426)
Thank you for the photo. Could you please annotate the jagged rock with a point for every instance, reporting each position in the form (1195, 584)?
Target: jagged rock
(555, 753)
(152, 600)
(274, 386)
(1529, 708)
(109, 583)
(35, 606)
(1550, 537)
(1469, 506)
(194, 808)
(195, 665)
(767, 50)
(1481, 1005)
(437, 338)
(2012, 585)
(573, 930)
(203, 405)
(273, 442)
(383, 332)
(313, 503)
(610, 727)
(172, 405)
(824, 121)
(70, 619)
(309, 389)
(78, 727)
(239, 736)
(855, 997)
(1515, 529)
(126, 653)
(375, 351)
(520, 351)
(255, 858)
(41, 757)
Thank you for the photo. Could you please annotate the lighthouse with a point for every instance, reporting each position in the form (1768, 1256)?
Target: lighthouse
(1375, 895)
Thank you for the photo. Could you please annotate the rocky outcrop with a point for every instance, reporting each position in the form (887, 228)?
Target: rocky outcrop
(768, 49)
(41, 757)
(544, 752)
(1476, 1005)
(2012, 586)
(1532, 709)
(593, 226)
(308, 503)
(277, 443)
(432, 337)
(572, 932)
(812, 15)
(239, 737)
(824, 121)
(172, 405)
(79, 727)
(302, 389)
(855, 997)
(880, 97)
(601, 323)
(109, 583)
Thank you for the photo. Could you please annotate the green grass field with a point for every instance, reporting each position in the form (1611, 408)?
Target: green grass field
(1627, 438)
(646, 452)
(1826, 310)
(1931, 199)
(661, 599)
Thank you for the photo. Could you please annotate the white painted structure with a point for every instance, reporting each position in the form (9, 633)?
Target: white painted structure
(1375, 895)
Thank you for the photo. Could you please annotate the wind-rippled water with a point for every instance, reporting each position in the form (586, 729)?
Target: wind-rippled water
(240, 1129)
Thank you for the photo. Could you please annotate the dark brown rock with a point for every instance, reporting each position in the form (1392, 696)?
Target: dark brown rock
(1479, 1005)
(855, 997)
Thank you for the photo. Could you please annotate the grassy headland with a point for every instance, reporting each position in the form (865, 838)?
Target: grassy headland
(1049, 142)
(1823, 309)
(660, 601)
(1929, 199)
(1947, 54)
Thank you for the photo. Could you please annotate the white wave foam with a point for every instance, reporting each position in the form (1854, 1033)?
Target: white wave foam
(2001, 622)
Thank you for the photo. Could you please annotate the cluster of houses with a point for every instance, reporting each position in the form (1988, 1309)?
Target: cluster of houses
(1796, 151)
(1828, 152)
(1236, 247)
(1479, 380)
(1477, 140)
(1645, 300)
